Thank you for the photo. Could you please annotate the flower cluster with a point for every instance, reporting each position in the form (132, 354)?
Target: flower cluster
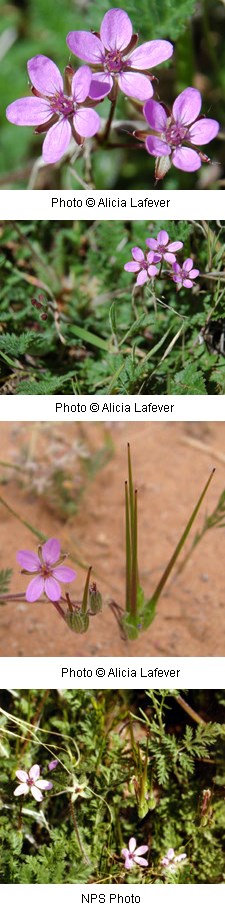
(65, 109)
(161, 249)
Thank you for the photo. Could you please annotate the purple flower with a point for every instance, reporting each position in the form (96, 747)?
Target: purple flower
(163, 247)
(52, 110)
(183, 274)
(31, 782)
(170, 860)
(182, 126)
(53, 764)
(132, 855)
(45, 564)
(111, 51)
(142, 265)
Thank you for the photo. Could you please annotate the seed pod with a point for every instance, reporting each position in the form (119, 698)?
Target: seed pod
(95, 599)
(76, 618)
(77, 621)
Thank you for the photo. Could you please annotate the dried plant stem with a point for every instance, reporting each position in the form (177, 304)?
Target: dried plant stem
(190, 712)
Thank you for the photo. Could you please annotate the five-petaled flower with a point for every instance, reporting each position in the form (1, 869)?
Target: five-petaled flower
(111, 51)
(171, 133)
(163, 248)
(183, 274)
(31, 782)
(171, 861)
(134, 855)
(48, 570)
(52, 110)
(143, 265)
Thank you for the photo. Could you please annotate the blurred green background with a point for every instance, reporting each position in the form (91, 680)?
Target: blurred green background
(29, 27)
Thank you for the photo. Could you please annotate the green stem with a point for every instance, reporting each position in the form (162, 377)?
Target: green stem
(180, 544)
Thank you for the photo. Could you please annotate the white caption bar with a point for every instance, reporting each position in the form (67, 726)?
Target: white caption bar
(105, 898)
(106, 407)
(153, 204)
(84, 673)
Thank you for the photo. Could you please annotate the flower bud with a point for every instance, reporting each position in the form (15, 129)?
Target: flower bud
(95, 599)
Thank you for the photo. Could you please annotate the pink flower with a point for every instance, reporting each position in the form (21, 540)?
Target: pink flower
(142, 265)
(182, 126)
(45, 564)
(170, 861)
(111, 51)
(183, 274)
(163, 247)
(53, 764)
(31, 782)
(132, 855)
(52, 110)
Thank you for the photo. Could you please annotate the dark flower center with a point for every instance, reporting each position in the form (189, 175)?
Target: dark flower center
(175, 133)
(30, 781)
(113, 61)
(62, 105)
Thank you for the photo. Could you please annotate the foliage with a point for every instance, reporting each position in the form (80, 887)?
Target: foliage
(112, 748)
(98, 335)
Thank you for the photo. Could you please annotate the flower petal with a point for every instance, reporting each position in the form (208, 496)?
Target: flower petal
(35, 589)
(132, 844)
(139, 861)
(162, 237)
(37, 794)
(152, 271)
(64, 574)
(86, 122)
(28, 560)
(45, 75)
(81, 83)
(138, 254)
(86, 46)
(203, 131)
(188, 264)
(187, 283)
(100, 86)
(157, 147)
(150, 54)
(193, 274)
(56, 141)
(21, 790)
(169, 257)
(34, 772)
(43, 784)
(128, 862)
(152, 243)
(116, 30)
(175, 246)
(52, 589)
(51, 550)
(140, 849)
(132, 267)
(135, 85)
(22, 775)
(29, 112)
(187, 106)
(155, 115)
(142, 277)
(186, 159)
